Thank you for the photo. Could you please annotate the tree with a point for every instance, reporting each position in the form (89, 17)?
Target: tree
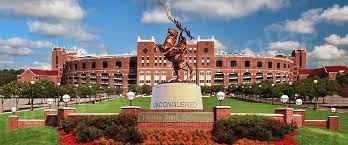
(344, 91)
(146, 89)
(134, 88)
(342, 79)
(8, 76)
(217, 88)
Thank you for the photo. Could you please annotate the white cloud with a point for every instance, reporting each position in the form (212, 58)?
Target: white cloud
(52, 9)
(67, 30)
(306, 23)
(327, 52)
(303, 25)
(336, 14)
(20, 42)
(226, 8)
(337, 40)
(219, 46)
(155, 15)
(21, 47)
(285, 45)
(217, 9)
(41, 65)
(263, 53)
(6, 62)
(103, 49)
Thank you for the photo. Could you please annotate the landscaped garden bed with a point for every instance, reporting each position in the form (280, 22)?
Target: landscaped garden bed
(241, 130)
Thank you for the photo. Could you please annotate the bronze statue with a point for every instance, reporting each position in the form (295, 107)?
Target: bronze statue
(174, 52)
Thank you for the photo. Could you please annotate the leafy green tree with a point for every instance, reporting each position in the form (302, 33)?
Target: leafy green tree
(217, 88)
(344, 91)
(146, 89)
(342, 79)
(8, 76)
(134, 88)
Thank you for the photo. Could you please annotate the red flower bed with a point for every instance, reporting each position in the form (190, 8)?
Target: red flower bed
(173, 137)
(69, 139)
(286, 140)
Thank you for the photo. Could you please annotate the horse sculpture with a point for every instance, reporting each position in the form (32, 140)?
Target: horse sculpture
(174, 52)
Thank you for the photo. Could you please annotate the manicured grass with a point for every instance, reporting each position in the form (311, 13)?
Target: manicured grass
(48, 135)
(30, 135)
(315, 136)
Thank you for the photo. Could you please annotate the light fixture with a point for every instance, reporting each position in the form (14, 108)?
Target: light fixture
(315, 81)
(284, 99)
(49, 102)
(333, 110)
(66, 99)
(272, 85)
(32, 82)
(298, 102)
(130, 97)
(13, 110)
(260, 86)
(290, 83)
(220, 96)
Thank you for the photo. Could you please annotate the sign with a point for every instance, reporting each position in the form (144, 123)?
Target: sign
(176, 117)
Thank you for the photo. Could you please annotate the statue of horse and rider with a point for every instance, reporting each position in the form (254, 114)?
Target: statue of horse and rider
(174, 52)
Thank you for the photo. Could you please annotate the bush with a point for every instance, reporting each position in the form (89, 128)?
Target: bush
(124, 134)
(251, 127)
(67, 124)
(86, 133)
(120, 127)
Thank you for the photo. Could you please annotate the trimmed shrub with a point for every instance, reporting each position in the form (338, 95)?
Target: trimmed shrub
(124, 134)
(252, 127)
(86, 133)
(67, 124)
(120, 128)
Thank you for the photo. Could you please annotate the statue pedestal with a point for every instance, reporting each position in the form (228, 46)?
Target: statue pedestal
(176, 96)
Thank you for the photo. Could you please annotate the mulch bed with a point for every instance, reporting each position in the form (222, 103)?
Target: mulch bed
(173, 137)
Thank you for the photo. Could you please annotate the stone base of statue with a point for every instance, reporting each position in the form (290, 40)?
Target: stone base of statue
(176, 96)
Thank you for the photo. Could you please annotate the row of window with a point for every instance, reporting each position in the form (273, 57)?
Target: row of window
(104, 64)
(247, 63)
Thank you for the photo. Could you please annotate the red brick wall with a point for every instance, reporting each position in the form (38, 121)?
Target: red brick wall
(317, 123)
(28, 123)
(175, 125)
(81, 116)
(333, 123)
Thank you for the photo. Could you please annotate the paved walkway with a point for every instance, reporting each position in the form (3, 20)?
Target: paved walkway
(23, 103)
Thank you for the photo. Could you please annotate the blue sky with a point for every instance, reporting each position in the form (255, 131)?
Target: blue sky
(30, 28)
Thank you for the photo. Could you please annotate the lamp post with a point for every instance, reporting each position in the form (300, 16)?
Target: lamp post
(58, 85)
(220, 96)
(291, 97)
(242, 92)
(108, 92)
(130, 97)
(272, 92)
(250, 87)
(90, 94)
(100, 88)
(66, 99)
(298, 102)
(76, 85)
(32, 95)
(315, 82)
(13, 110)
(284, 99)
(49, 102)
(333, 111)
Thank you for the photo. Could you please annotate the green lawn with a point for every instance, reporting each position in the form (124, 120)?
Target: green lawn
(48, 135)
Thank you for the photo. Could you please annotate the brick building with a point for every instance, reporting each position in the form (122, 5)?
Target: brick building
(38, 75)
(150, 67)
(326, 71)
